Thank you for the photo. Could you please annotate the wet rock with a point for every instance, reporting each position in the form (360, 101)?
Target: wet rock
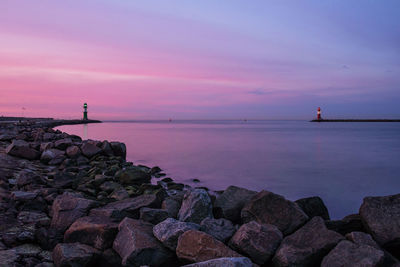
(132, 175)
(307, 246)
(21, 149)
(67, 208)
(196, 246)
(196, 206)
(381, 218)
(75, 254)
(119, 149)
(169, 231)
(52, 156)
(73, 152)
(98, 232)
(137, 246)
(231, 202)
(155, 170)
(349, 254)
(269, 208)
(8, 257)
(90, 150)
(220, 229)
(362, 239)
(63, 143)
(126, 208)
(346, 225)
(314, 206)
(153, 216)
(257, 241)
(226, 262)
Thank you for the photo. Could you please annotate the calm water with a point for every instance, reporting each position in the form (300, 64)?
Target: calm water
(341, 162)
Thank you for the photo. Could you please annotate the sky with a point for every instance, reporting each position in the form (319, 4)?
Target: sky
(190, 59)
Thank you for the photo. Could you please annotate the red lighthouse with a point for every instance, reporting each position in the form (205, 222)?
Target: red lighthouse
(319, 113)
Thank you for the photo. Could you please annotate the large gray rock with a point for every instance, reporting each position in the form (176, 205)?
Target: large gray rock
(129, 207)
(63, 143)
(307, 246)
(381, 218)
(225, 262)
(221, 229)
(169, 231)
(269, 208)
(67, 208)
(21, 149)
(348, 254)
(231, 202)
(196, 206)
(89, 150)
(257, 241)
(196, 246)
(132, 175)
(98, 232)
(313, 206)
(52, 155)
(137, 246)
(75, 254)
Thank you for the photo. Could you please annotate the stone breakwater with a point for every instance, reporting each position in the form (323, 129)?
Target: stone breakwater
(71, 202)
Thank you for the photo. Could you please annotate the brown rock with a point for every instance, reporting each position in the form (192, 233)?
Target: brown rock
(98, 232)
(73, 151)
(221, 229)
(257, 241)
(21, 149)
(196, 246)
(362, 239)
(349, 254)
(196, 206)
(231, 202)
(269, 208)
(89, 150)
(307, 246)
(63, 143)
(67, 208)
(75, 254)
(137, 246)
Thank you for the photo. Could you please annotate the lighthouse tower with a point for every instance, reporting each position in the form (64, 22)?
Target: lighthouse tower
(319, 114)
(85, 118)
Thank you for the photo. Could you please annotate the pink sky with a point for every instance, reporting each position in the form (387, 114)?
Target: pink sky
(191, 60)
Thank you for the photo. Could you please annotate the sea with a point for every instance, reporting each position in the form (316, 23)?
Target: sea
(339, 161)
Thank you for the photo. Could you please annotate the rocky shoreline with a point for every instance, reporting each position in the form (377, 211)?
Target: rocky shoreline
(65, 201)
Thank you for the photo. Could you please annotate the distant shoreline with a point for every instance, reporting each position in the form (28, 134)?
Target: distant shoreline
(356, 120)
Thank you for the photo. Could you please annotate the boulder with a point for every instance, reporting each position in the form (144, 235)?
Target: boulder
(225, 262)
(221, 229)
(53, 156)
(21, 149)
(269, 208)
(28, 177)
(313, 206)
(169, 231)
(257, 241)
(98, 232)
(119, 149)
(196, 206)
(348, 224)
(349, 254)
(196, 246)
(132, 175)
(137, 246)
(75, 254)
(172, 206)
(67, 208)
(73, 152)
(129, 207)
(107, 149)
(153, 216)
(89, 150)
(63, 143)
(307, 246)
(362, 239)
(381, 218)
(231, 201)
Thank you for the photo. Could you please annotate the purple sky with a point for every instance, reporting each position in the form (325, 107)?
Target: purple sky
(200, 59)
